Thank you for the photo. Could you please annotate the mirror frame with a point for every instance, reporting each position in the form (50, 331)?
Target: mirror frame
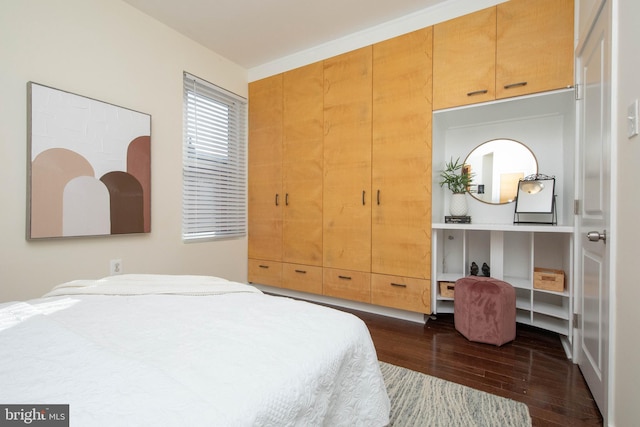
(472, 192)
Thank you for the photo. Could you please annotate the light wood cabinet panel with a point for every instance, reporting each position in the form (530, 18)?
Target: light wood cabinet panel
(464, 54)
(401, 172)
(405, 293)
(265, 272)
(347, 161)
(302, 165)
(535, 46)
(347, 284)
(516, 48)
(304, 278)
(265, 169)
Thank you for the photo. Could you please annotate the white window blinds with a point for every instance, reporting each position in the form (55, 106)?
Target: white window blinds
(214, 162)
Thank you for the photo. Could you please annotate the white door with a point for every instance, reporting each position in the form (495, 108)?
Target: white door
(594, 185)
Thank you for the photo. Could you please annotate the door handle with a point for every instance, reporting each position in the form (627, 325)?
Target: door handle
(595, 236)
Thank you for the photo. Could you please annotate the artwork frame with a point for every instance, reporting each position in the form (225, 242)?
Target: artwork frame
(88, 166)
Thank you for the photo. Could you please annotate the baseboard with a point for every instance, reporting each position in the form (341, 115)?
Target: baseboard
(353, 305)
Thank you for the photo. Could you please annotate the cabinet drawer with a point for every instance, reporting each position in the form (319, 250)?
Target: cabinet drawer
(401, 292)
(265, 272)
(347, 284)
(304, 278)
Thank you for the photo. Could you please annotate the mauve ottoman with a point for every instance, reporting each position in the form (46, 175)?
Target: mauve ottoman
(485, 310)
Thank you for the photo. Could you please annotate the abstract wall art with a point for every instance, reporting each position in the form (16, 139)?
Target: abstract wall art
(89, 166)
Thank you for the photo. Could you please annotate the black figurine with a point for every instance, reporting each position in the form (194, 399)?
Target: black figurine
(474, 269)
(485, 270)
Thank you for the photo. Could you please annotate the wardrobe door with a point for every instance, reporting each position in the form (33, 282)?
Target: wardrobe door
(401, 172)
(265, 175)
(347, 161)
(302, 165)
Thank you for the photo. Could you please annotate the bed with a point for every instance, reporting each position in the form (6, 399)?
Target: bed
(188, 350)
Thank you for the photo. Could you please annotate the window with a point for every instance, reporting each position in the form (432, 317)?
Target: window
(213, 159)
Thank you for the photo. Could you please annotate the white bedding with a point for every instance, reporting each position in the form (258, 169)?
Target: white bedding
(189, 350)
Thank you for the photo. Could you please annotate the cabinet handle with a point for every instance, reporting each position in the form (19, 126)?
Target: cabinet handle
(399, 285)
(263, 266)
(286, 199)
(477, 92)
(344, 277)
(378, 197)
(512, 85)
(451, 287)
(276, 199)
(300, 271)
(363, 197)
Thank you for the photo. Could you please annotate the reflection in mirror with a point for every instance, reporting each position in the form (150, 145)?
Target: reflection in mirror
(497, 166)
(536, 195)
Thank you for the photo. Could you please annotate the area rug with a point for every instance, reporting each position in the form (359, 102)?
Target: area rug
(422, 400)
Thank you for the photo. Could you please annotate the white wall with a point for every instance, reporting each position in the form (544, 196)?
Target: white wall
(415, 21)
(626, 371)
(106, 50)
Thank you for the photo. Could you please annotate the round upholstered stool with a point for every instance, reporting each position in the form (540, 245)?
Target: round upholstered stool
(485, 310)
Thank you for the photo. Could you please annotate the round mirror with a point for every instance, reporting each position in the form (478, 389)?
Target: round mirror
(497, 166)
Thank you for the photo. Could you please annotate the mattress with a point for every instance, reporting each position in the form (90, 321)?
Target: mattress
(188, 350)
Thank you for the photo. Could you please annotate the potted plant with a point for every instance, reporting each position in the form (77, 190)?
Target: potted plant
(458, 181)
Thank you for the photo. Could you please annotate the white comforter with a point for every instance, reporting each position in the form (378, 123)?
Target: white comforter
(188, 350)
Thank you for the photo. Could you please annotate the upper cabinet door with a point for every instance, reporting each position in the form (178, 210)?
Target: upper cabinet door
(302, 164)
(535, 44)
(464, 55)
(265, 169)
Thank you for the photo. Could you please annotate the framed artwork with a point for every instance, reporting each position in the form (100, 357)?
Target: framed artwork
(89, 166)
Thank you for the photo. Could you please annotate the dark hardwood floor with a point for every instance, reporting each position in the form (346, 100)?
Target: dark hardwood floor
(533, 369)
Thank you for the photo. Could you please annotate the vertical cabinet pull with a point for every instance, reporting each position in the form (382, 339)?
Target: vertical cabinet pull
(276, 199)
(378, 197)
(363, 197)
(286, 199)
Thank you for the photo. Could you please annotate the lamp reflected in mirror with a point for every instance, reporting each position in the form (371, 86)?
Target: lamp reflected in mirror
(532, 187)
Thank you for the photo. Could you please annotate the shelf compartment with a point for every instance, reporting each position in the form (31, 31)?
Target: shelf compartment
(444, 306)
(551, 323)
(552, 305)
(518, 282)
(523, 299)
(451, 249)
(478, 249)
(517, 258)
(523, 316)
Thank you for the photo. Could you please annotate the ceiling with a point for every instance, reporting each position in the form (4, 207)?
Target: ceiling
(255, 32)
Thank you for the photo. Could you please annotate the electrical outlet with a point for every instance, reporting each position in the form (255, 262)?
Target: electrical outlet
(115, 267)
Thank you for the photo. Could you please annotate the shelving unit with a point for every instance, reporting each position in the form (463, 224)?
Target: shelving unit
(545, 123)
(512, 252)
